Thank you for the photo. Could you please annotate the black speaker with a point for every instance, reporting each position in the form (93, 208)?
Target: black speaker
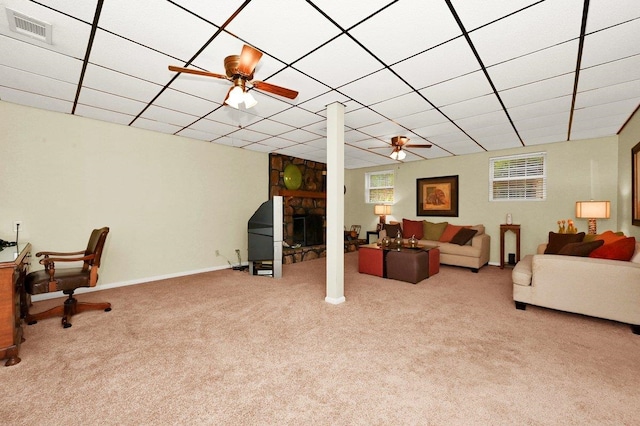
(512, 258)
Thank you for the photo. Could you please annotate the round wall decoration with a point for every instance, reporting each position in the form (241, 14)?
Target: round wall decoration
(292, 177)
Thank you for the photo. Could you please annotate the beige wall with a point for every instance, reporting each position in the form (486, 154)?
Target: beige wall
(629, 137)
(577, 170)
(170, 202)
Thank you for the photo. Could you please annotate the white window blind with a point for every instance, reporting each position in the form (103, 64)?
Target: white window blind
(379, 187)
(518, 177)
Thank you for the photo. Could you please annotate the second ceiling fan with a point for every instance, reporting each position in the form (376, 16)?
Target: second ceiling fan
(239, 70)
(400, 142)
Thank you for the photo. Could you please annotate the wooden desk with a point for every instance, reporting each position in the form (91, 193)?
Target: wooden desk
(14, 262)
(516, 230)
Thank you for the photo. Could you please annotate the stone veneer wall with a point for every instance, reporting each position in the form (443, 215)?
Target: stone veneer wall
(313, 180)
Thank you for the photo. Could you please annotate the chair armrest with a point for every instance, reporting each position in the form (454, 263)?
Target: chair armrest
(52, 260)
(56, 253)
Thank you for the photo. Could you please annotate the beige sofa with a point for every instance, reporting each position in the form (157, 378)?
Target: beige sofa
(602, 288)
(474, 254)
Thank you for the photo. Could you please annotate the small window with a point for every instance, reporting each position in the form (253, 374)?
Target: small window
(378, 187)
(518, 177)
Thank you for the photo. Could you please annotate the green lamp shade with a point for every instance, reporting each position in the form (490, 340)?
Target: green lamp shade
(292, 177)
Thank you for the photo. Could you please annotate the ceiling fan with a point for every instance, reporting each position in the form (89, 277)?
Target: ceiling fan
(400, 142)
(239, 70)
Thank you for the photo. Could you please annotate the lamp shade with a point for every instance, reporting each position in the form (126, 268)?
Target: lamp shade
(382, 209)
(593, 209)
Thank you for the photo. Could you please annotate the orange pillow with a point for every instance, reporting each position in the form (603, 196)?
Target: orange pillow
(618, 250)
(609, 237)
(449, 232)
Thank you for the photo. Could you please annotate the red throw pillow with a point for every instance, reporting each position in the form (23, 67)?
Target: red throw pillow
(609, 237)
(412, 227)
(449, 232)
(617, 250)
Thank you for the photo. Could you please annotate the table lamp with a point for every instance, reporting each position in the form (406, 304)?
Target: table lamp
(593, 210)
(382, 210)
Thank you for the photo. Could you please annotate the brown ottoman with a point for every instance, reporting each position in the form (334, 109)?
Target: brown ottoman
(412, 266)
(370, 261)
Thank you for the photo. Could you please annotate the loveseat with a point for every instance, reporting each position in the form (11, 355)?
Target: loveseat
(466, 246)
(599, 287)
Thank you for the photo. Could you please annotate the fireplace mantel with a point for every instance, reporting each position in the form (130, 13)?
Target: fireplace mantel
(301, 194)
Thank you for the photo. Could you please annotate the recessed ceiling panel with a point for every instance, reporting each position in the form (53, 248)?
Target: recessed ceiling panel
(286, 34)
(387, 33)
(545, 24)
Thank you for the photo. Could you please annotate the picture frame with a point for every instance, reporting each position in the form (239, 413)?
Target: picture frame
(635, 184)
(437, 196)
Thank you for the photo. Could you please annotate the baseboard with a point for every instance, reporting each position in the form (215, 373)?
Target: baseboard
(81, 290)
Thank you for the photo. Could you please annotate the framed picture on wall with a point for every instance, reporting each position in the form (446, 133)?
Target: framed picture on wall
(635, 184)
(437, 196)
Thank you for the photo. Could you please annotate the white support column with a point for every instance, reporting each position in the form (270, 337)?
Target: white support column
(335, 203)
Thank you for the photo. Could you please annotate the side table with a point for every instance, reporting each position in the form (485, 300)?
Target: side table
(370, 233)
(516, 230)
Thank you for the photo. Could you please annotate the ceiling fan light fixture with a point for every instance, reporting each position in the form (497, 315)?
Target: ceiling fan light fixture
(249, 100)
(236, 96)
(394, 155)
(401, 155)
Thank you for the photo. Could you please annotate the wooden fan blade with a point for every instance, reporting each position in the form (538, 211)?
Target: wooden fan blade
(249, 58)
(276, 90)
(197, 72)
(418, 146)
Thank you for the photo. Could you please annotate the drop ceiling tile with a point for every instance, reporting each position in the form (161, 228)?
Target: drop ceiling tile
(437, 129)
(27, 57)
(37, 84)
(604, 13)
(109, 81)
(556, 87)
(69, 36)
(590, 115)
(401, 106)
(473, 16)
(542, 25)
(290, 78)
(270, 127)
(458, 89)
(297, 116)
(384, 130)
(107, 101)
(347, 14)
(269, 29)
(611, 44)
(267, 105)
(116, 53)
(296, 150)
(354, 136)
(541, 65)
(462, 146)
(169, 116)
(145, 22)
(233, 140)
(8, 94)
(421, 119)
(259, 147)
(212, 89)
(549, 134)
(214, 12)
(606, 95)
(349, 61)
(213, 127)
(248, 135)
(496, 141)
(81, 9)
(610, 73)
(439, 64)
(375, 88)
(361, 117)
(540, 109)
(299, 135)
(277, 142)
(319, 143)
(386, 33)
(558, 119)
(156, 126)
(319, 128)
(196, 134)
(483, 120)
(183, 102)
(472, 107)
(102, 114)
(319, 104)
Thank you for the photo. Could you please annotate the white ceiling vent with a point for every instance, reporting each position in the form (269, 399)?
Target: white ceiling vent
(23, 24)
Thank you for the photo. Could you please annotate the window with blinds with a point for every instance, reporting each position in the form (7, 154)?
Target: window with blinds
(518, 177)
(378, 187)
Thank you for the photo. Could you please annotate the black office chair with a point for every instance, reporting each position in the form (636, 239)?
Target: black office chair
(68, 280)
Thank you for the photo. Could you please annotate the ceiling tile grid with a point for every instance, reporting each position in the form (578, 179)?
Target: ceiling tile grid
(464, 76)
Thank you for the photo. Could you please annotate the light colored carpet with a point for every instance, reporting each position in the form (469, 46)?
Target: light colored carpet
(226, 348)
